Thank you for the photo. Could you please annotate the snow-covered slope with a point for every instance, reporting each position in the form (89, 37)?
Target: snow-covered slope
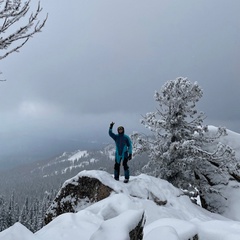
(69, 162)
(233, 140)
(113, 217)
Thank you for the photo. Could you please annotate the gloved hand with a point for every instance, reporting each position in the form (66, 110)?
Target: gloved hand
(130, 156)
(111, 125)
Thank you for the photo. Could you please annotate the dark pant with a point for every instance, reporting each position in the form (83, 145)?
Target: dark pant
(117, 169)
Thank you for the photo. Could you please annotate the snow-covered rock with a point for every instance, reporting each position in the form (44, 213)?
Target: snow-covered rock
(76, 194)
(130, 212)
(89, 187)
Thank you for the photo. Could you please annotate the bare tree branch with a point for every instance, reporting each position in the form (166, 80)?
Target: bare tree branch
(12, 11)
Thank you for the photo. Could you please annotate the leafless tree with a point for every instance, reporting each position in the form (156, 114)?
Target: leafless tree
(17, 25)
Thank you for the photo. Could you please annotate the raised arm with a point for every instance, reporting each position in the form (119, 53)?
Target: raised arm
(111, 134)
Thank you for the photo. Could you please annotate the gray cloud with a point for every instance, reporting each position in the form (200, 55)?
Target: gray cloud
(101, 61)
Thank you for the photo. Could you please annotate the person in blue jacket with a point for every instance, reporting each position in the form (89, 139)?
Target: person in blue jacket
(123, 151)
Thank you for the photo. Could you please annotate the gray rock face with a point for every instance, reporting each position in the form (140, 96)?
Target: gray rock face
(137, 232)
(77, 195)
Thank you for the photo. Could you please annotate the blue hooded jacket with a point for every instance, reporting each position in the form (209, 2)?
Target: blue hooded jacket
(123, 145)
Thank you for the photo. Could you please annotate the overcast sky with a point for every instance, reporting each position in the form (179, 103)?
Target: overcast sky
(102, 60)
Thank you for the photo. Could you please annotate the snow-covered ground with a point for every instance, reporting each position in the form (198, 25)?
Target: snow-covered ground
(113, 217)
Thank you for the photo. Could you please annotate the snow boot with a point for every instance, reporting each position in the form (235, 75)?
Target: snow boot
(126, 181)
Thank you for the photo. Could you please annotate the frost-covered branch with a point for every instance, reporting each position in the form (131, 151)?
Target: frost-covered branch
(14, 36)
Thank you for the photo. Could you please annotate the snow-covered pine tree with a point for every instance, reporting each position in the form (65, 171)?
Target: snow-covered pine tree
(3, 214)
(182, 150)
(24, 217)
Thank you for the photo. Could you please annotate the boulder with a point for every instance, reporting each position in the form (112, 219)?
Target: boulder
(77, 195)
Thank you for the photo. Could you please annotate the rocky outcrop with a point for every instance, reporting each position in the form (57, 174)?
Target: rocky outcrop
(89, 187)
(76, 195)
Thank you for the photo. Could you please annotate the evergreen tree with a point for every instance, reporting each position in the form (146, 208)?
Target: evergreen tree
(182, 150)
(3, 214)
(11, 216)
(24, 217)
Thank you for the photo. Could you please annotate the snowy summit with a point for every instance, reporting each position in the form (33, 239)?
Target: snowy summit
(174, 218)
